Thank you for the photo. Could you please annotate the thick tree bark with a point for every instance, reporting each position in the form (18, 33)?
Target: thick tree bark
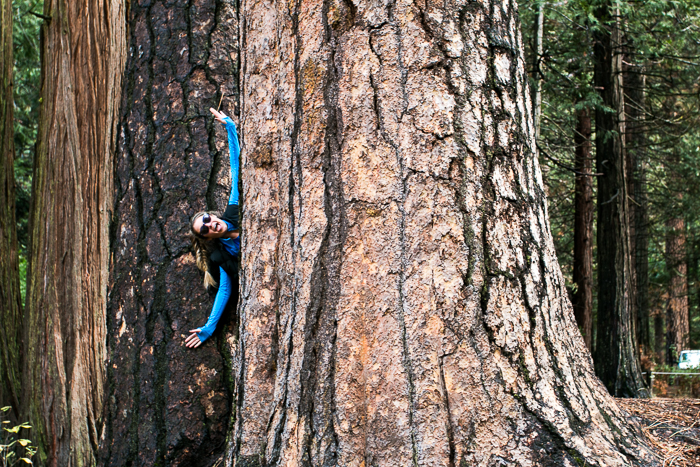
(677, 325)
(401, 298)
(168, 405)
(583, 228)
(616, 355)
(82, 61)
(10, 300)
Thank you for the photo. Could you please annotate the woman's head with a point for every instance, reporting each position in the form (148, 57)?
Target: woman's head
(201, 245)
(208, 225)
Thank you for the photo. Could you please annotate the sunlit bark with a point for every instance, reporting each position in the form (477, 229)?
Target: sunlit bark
(401, 299)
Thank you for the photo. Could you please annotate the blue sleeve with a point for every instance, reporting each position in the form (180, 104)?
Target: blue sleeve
(222, 296)
(234, 151)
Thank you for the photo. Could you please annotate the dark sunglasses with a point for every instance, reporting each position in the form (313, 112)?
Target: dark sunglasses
(203, 230)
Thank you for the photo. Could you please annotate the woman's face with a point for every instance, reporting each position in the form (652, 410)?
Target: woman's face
(210, 226)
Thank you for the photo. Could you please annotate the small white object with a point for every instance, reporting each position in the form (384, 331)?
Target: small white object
(689, 359)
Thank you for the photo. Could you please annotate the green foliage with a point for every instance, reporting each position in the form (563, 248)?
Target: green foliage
(27, 83)
(661, 47)
(14, 450)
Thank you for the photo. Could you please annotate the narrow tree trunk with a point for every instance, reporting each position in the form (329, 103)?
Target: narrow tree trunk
(636, 142)
(636, 184)
(677, 326)
(82, 61)
(10, 300)
(583, 228)
(168, 405)
(401, 298)
(537, 57)
(659, 340)
(616, 355)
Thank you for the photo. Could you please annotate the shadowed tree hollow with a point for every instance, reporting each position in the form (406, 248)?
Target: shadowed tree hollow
(401, 301)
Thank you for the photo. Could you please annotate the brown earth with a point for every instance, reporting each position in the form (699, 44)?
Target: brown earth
(672, 426)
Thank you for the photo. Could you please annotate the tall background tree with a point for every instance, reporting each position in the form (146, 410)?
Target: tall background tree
(83, 51)
(616, 354)
(10, 299)
(167, 404)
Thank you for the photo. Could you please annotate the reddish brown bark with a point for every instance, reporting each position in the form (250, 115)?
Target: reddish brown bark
(583, 228)
(677, 325)
(63, 388)
(10, 300)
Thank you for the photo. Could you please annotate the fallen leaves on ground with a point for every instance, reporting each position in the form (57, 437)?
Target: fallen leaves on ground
(672, 426)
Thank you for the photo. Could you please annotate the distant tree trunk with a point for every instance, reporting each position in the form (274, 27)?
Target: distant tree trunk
(659, 341)
(401, 298)
(634, 84)
(677, 326)
(616, 355)
(636, 147)
(537, 58)
(583, 228)
(82, 61)
(10, 300)
(168, 405)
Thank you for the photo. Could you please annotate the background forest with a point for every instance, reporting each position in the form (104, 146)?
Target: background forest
(660, 47)
(615, 90)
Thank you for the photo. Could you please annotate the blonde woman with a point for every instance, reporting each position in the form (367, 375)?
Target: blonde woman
(217, 243)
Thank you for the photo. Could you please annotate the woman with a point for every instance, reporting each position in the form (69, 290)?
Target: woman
(217, 243)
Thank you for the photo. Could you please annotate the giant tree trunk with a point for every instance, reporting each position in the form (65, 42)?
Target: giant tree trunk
(82, 61)
(616, 355)
(401, 298)
(10, 300)
(168, 405)
(583, 228)
(677, 325)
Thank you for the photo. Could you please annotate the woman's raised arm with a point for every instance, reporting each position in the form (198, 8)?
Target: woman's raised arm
(234, 150)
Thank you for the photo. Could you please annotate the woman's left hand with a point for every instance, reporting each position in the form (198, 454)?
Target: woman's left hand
(192, 340)
(220, 116)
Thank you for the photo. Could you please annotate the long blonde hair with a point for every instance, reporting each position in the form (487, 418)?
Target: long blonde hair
(202, 247)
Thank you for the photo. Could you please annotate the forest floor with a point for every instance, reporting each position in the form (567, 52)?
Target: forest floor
(672, 426)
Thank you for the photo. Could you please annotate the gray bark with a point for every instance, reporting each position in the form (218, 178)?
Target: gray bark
(583, 228)
(616, 354)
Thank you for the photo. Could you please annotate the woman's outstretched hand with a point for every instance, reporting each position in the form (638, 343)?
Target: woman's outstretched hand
(192, 340)
(220, 116)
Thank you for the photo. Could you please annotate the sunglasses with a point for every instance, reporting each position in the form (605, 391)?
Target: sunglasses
(203, 230)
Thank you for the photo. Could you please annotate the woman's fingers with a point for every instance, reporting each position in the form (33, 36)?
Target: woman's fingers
(192, 340)
(220, 116)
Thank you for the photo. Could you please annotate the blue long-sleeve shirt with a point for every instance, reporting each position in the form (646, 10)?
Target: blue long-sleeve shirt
(233, 246)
